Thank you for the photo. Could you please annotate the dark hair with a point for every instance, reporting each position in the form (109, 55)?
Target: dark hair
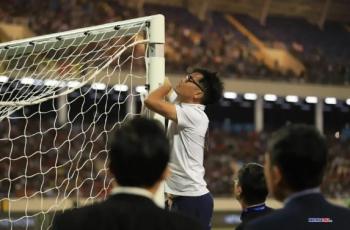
(252, 181)
(139, 153)
(300, 152)
(212, 85)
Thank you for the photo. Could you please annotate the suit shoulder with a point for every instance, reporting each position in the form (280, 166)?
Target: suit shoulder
(270, 221)
(297, 218)
(180, 221)
(72, 218)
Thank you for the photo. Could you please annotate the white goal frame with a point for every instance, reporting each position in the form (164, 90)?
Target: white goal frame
(155, 61)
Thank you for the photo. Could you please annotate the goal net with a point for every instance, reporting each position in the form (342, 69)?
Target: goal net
(60, 97)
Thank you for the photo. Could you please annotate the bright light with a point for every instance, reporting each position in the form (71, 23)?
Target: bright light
(330, 100)
(141, 89)
(311, 100)
(337, 135)
(98, 86)
(73, 84)
(250, 96)
(121, 88)
(348, 101)
(27, 81)
(270, 97)
(4, 79)
(230, 95)
(54, 83)
(292, 98)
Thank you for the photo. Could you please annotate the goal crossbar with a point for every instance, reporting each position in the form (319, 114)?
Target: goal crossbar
(72, 37)
(15, 51)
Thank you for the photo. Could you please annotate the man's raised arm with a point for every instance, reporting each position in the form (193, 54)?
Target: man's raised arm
(156, 101)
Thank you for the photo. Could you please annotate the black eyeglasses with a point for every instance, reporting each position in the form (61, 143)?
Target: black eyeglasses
(190, 79)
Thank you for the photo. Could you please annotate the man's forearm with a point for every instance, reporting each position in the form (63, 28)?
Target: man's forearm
(157, 96)
(156, 102)
(160, 93)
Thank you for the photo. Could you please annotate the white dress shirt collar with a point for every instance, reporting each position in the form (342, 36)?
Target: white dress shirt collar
(133, 191)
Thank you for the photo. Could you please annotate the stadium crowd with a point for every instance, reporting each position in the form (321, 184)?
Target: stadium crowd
(230, 149)
(212, 43)
(45, 162)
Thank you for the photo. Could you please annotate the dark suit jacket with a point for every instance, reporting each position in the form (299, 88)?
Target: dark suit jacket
(123, 212)
(305, 212)
(253, 213)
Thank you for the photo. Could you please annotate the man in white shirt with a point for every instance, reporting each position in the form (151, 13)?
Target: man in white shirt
(186, 188)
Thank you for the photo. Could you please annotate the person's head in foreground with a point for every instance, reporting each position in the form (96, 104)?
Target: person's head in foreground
(200, 86)
(295, 160)
(139, 154)
(250, 186)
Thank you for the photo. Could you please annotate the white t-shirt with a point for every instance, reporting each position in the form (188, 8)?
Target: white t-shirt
(187, 139)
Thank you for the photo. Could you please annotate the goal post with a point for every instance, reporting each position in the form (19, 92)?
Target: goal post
(156, 78)
(61, 95)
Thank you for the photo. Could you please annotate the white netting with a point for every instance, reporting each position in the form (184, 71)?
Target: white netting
(60, 96)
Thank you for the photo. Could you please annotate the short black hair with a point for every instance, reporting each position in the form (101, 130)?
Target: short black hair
(300, 152)
(213, 86)
(252, 181)
(139, 152)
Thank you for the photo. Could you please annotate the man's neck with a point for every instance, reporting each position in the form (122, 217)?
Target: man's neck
(256, 208)
(246, 206)
(189, 102)
(133, 191)
(151, 191)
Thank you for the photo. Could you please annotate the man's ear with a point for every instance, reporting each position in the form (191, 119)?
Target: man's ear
(238, 191)
(280, 187)
(276, 176)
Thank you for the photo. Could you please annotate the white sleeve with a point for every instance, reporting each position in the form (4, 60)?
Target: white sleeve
(172, 97)
(185, 116)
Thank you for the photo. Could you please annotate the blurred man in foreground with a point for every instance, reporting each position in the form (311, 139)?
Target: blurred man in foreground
(294, 167)
(138, 155)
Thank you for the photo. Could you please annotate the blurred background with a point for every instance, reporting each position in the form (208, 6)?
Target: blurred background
(282, 62)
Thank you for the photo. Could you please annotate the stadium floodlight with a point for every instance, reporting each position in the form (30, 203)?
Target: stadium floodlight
(348, 101)
(311, 99)
(292, 98)
(98, 86)
(65, 147)
(4, 79)
(270, 97)
(27, 81)
(330, 100)
(54, 83)
(74, 84)
(250, 96)
(31, 81)
(230, 95)
(337, 135)
(121, 88)
(141, 89)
